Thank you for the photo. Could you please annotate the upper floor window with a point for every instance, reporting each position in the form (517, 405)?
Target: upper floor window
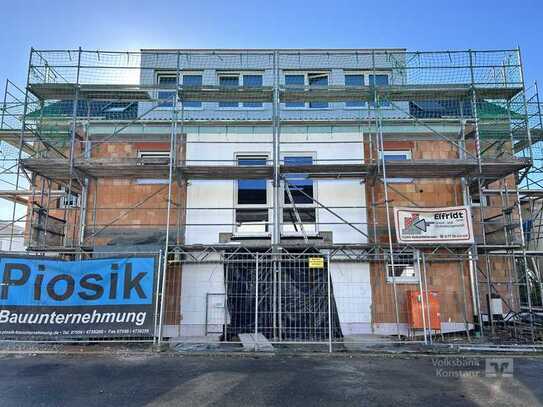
(302, 192)
(358, 79)
(307, 79)
(146, 157)
(301, 187)
(167, 83)
(251, 213)
(354, 80)
(379, 80)
(478, 201)
(191, 79)
(235, 80)
(397, 156)
(152, 158)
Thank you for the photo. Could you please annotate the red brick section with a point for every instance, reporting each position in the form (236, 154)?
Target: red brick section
(444, 277)
(114, 196)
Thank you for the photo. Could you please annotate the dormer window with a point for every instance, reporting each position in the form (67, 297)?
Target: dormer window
(307, 80)
(167, 84)
(236, 80)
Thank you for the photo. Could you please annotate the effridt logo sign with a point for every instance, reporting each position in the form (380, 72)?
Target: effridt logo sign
(89, 298)
(434, 225)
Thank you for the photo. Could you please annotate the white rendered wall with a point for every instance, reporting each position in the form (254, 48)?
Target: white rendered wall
(352, 293)
(197, 281)
(350, 283)
(300, 139)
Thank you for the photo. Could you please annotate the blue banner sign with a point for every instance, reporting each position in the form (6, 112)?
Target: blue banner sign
(103, 297)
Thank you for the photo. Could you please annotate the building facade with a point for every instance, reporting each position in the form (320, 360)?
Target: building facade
(241, 167)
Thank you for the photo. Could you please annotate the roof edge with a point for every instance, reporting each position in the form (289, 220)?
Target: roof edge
(272, 49)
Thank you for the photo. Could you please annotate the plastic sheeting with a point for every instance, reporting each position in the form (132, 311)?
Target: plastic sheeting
(293, 307)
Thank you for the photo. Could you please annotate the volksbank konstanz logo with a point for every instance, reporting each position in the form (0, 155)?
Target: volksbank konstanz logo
(473, 367)
(499, 367)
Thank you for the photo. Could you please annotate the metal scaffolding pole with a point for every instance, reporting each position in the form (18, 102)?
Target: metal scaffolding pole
(425, 280)
(20, 152)
(518, 204)
(540, 115)
(4, 105)
(277, 198)
(472, 253)
(172, 166)
(276, 157)
(422, 301)
(387, 205)
(73, 136)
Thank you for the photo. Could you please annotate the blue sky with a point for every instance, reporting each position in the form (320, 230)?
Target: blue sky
(122, 24)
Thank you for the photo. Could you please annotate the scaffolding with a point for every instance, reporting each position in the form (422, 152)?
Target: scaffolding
(61, 136)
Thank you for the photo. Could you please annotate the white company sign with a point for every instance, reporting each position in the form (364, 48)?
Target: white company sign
(451, 225)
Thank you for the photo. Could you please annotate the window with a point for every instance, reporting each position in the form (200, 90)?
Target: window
(194, 80)
(308, 79)
(302, 191)
(379, 80)
(147, 156)
(405, 269)
(251, 199)
(478, 201)
(68, 200)
(307, 217)
(167, 84)
(355, 80)
(252, 81)
(150, 158)
(167, 81)
(295, 81)
(365, 78)
(397, 156)
(301, 187)
(229, 81)
(317, 80)
(235, 80)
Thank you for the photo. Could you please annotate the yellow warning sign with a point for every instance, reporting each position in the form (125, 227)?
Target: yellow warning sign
(316, 263)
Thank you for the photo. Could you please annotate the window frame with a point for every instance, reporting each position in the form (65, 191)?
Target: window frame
(307, 105)
(235, 229)
(66, 201)
(484, 202)
(240, 75)
(403, 279)
(152, 153)
(182, 75)
(366, 76)
(397, 180)
(364, 83)
(158, 74)
(313, 205)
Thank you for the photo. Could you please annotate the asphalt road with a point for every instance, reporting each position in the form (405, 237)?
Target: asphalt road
(148, 379)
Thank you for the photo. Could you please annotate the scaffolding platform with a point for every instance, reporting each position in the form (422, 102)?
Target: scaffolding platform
(13, 138)
(58, 168)
(68, 91)
(392, 92)
(211, 93)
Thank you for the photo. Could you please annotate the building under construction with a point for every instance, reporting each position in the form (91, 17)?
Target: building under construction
(270, 183)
